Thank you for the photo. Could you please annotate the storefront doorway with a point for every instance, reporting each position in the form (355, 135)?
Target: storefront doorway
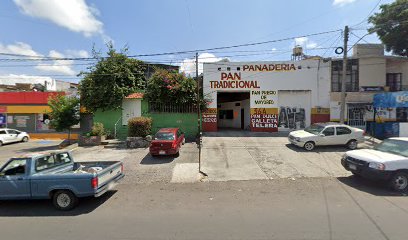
(356, 113)
(233, 110)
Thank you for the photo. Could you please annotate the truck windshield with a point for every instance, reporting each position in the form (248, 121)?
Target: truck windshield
(164, 136)
(314, 129)
(393, 146)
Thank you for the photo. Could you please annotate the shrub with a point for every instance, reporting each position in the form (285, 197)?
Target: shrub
(139, 126)
(98, 129)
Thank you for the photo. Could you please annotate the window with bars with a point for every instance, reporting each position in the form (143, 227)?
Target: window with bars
(352, 80)
(394, 81)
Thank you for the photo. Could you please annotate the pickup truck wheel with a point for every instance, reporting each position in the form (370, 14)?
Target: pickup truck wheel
(309, 146)
(399, 182)
(64, 200)
(352, 144)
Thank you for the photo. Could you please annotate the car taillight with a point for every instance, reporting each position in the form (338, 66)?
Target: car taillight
(94, 182)
(121, 168)
(174, 145)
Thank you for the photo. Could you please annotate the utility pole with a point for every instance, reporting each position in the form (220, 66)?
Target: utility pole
(198, 116)
(343, 79)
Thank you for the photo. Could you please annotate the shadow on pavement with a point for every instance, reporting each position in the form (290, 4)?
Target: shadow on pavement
(39, 149)
(44, 208)
(377, 188)
(318, 149)
(150, 160)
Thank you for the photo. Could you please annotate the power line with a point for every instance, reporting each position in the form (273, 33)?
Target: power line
(36, 58)
(369, 14)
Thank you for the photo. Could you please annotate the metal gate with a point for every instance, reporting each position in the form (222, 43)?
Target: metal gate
(356, 114)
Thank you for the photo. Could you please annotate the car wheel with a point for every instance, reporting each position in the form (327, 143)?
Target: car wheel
(25, 139)
(352, 144)
(309, 146)
(1, 143)
(64, 200)
(399, 182)
(177, 154)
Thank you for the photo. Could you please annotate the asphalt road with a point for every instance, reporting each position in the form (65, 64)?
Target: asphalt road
(313, 208)
(15, 149)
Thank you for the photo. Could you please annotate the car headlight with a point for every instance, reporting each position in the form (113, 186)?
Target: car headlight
(378, 166)
(297, 139)
(344, 157)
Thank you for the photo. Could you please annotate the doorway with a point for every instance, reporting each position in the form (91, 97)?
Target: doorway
(355, 113)
(233, 110)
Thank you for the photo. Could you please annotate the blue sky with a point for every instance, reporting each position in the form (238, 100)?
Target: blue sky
(70, 28)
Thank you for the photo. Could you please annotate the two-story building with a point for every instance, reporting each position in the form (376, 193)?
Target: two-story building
(369, 71)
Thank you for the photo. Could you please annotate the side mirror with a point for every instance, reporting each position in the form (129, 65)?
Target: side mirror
(322, 135)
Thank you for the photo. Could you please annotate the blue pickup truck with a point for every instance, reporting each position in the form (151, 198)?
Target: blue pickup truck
(55, 175)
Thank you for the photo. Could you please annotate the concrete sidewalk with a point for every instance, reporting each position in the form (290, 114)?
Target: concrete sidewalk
(235, 155)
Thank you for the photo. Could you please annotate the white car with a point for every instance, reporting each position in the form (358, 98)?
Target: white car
(388, 161)
(323, 134)
(11, 135)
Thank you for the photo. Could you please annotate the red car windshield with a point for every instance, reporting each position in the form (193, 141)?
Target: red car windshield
(164, 136)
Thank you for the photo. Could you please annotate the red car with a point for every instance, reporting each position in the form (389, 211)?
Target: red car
(167, 141)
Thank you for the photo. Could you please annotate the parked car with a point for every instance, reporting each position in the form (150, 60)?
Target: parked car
(321, 134)
(167, 141)
(388, 161)
(55, 175)
(12, 135)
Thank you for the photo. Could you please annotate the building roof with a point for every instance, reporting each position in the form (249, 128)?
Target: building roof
(135, 96)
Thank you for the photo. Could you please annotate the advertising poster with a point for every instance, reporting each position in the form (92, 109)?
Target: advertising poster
(264, 119)
(3, 119)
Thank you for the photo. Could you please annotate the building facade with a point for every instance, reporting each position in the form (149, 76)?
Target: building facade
(369, 72)
(27, 111)
(266, 96)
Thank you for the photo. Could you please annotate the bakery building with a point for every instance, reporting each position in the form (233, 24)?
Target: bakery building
(266, 96)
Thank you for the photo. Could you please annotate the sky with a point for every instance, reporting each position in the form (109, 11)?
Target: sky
(72, 28)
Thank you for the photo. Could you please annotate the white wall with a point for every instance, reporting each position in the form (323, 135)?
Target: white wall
(236, 122)
(296, 99)
(398, 66)
(403, 129)
(312, 75)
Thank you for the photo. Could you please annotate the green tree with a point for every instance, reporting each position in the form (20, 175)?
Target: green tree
(110, 80)
(391, 25)
(172, 87)
(64, 113)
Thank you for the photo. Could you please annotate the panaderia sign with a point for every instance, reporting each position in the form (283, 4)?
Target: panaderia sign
(262, 80)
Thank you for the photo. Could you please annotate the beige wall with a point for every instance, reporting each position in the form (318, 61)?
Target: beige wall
(372, 71)
(353, 97)
(398, 66)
